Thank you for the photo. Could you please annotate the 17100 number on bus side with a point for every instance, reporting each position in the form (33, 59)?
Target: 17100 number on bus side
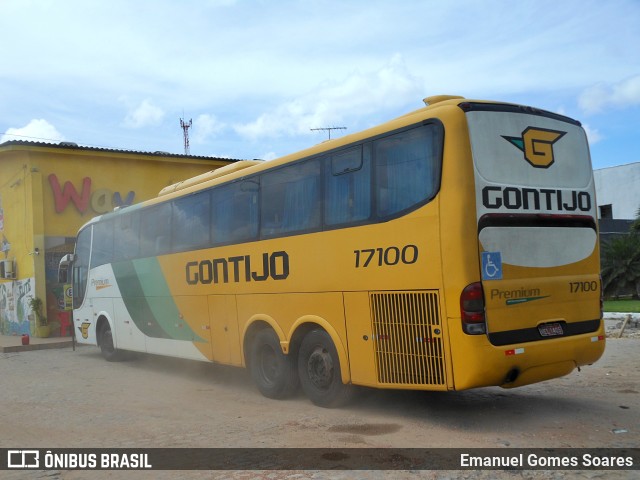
(388, 256)
(578, 287)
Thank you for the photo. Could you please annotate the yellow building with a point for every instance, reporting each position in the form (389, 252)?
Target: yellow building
(47, 192)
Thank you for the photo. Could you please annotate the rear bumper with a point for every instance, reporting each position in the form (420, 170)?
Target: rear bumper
(478, 363)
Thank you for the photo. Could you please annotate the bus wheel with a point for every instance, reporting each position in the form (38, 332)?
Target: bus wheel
(319, 371)
(273, 372)
(109, 352)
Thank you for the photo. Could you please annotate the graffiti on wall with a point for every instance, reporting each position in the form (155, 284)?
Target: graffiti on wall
(5, 246)
(101, 201)
(15, 318)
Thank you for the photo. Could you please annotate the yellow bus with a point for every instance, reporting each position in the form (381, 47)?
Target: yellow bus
(451, 248)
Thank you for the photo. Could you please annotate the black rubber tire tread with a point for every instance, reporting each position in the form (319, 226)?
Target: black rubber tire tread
(109, 352)
(277, 379)
(326, 390)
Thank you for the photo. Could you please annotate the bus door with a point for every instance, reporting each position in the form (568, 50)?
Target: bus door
(83, 320)
(536, 214)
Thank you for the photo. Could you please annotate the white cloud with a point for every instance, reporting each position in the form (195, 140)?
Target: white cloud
(601, 96)
(36, 130)
(593, 135)
(207, 126)
(144, 115)
(269, 156)
(331, 63)
(332, 102)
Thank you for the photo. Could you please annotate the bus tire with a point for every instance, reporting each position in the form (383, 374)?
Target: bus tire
(319, 371)
(273, 372)
(109, 352)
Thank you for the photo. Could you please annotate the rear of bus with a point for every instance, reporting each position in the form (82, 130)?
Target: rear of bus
(536, 308)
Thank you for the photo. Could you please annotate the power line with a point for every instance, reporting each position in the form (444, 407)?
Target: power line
(35, 138)
(328, 129)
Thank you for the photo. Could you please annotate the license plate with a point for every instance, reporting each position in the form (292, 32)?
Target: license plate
(550, 329)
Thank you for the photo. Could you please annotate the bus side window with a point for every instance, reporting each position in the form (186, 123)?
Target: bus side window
(348, 186)
(102, 252)
(155, 230)
(407, 169)
(291, 199)
(234, 212)
(126, 236)
(191, 221)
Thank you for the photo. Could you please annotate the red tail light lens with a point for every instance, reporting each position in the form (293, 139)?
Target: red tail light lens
(472, 309)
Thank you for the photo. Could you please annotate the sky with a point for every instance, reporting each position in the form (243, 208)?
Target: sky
(255, 76)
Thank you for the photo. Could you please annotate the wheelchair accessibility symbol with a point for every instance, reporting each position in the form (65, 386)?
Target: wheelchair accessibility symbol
(491, 266)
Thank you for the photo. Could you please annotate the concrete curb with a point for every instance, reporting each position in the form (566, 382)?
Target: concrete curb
(620, 316)
(8, 344)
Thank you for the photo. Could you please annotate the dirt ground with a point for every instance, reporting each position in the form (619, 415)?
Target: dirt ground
(72, 399)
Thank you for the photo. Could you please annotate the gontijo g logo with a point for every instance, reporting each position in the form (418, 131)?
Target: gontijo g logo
(537, 145)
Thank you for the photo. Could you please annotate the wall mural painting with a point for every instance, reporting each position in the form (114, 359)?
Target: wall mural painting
(15, 314)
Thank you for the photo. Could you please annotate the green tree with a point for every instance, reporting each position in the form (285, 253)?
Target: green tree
(621, 265)
(635, 226)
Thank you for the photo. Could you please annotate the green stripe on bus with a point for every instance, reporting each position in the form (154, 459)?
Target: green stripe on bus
(160, 300)
(148, 300)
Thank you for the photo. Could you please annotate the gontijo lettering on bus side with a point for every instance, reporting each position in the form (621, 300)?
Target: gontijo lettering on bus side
(237, 269)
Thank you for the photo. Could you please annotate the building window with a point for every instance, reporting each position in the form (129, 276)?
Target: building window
(606, 211)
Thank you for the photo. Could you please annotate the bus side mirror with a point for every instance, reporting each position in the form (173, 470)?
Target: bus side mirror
(63, 268)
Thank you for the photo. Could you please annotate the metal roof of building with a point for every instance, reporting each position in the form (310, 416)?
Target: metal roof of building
(75, 146)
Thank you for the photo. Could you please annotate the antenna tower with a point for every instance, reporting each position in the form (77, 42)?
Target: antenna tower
(185, 130)
(328, 129)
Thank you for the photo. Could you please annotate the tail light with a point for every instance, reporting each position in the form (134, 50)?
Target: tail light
(472, 309)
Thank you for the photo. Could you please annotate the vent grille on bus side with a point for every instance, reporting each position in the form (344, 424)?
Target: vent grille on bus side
(407, 338)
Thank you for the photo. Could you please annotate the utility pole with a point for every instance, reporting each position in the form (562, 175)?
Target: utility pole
(185, 131)
(328, 129)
